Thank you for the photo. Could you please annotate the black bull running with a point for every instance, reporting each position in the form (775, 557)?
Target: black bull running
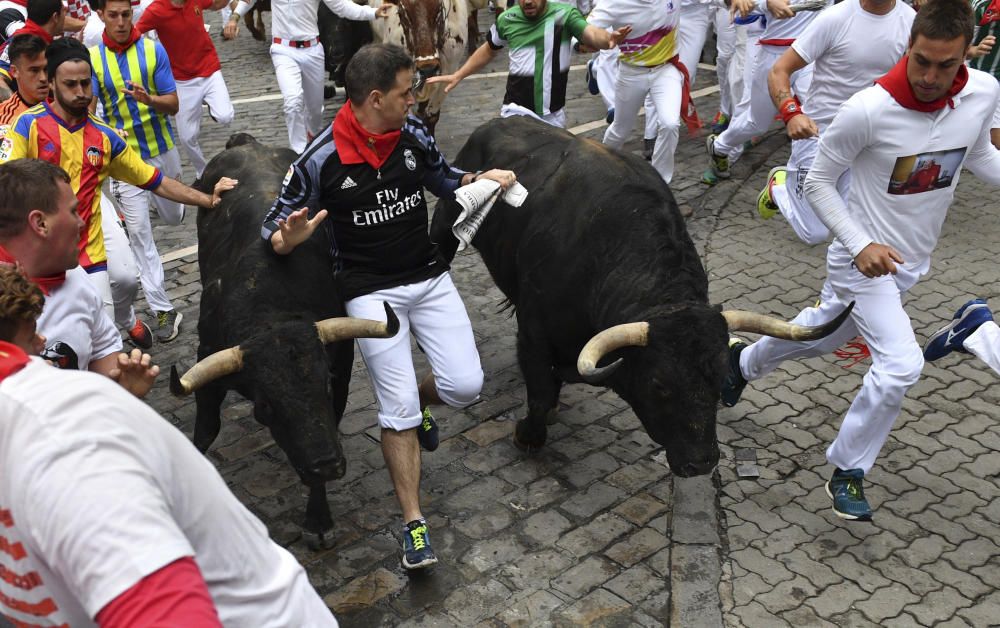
(598, 263)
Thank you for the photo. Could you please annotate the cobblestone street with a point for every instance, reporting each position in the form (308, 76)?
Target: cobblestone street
(594, 530)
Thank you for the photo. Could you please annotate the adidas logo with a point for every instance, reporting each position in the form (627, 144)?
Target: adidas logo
(348, 183)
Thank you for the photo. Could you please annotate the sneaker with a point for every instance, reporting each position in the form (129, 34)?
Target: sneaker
(766, 206)
(733, 385)
(417, 552)
(169, 325)
(140, 335)
(848, 495)
(949, 338)
(611, 116)
(648, 146)
(427, 431)
(708, 177)
(720, 163)
(720, 123)
(592, 79)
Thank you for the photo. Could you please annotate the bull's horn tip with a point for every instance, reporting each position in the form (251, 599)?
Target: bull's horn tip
(595, 374)
(391, 321)
(176, 386)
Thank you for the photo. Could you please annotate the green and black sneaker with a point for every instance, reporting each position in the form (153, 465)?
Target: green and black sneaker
(427, 431)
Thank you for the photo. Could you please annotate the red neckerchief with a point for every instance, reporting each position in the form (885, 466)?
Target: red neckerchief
(355, 145)
(688, 113)
(898, 86)
(12, 359)
(47, 284)
(992, 13)
(31, 28)
(121, 48)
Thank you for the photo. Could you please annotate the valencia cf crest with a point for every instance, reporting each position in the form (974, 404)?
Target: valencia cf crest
(409, 159)
(6, 148)
(94, 156)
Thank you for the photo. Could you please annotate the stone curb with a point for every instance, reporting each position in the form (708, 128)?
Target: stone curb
(695, 554)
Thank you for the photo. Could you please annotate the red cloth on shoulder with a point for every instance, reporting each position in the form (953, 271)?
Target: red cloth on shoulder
(175, 595)
(12, 359)
(355, 145)
(898, 86)
(991, 14)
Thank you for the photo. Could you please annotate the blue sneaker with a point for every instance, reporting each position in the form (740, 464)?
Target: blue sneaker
(848, 495)
(592, 79)
(733, 385)
(417, 552)
(427, 431)
(949, 338)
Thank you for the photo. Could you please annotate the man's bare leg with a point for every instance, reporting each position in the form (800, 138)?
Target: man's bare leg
(402, 457)
(428, 392)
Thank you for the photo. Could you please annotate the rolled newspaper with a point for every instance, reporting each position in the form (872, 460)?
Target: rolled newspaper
(476, 201)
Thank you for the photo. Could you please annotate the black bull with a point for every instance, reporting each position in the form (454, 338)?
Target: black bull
(258, 331)
(600, 245)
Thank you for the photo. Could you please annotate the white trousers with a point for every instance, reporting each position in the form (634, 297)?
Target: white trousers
(756, 111)
(555, 118)
(984, 343)
(897, 360)
(191, 94)
(696, 20)
(134, 203)
(119, 284)
(791, 199)
(663, 84)
(301, 77)
(433, 312)
(605, 68)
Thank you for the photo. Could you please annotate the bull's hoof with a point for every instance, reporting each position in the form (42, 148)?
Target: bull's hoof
(551, 417)
(527, 436)
(322, 540)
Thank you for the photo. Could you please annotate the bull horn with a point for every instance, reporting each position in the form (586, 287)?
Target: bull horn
(738, 320)
(345, 327)
(219, 364)
(625, 335)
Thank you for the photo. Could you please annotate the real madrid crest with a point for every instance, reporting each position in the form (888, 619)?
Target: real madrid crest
(409, 159)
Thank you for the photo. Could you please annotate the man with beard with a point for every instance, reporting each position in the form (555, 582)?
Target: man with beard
(527, 29)
(62, 132)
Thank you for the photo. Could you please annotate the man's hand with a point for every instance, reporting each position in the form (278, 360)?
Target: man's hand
(138, 92)
(451, 80)
(801, 126)
(619, 35)
(135, 373)
(295, 230)
(224, 185)
(780, 9)
(505, 178)
(384, 10)
(876, 260)
(232, 28)
(743, 7)
(981, 49)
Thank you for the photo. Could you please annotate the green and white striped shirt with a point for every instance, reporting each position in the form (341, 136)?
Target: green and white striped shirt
(990, 62)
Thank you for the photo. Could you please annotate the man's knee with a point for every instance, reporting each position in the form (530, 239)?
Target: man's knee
(224, 116)
(461, 390)
(293, 104)
(903, 370)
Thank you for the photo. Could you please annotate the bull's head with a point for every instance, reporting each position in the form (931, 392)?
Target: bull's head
(675, 364)
(288, 367)
(423, 23)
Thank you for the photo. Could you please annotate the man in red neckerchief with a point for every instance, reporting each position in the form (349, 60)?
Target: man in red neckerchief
(929, 106)
(195, 64)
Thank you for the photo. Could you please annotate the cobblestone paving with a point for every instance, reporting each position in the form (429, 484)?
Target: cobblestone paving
(594, 530)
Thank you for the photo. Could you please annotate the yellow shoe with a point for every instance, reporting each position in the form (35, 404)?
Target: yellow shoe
(766, 206)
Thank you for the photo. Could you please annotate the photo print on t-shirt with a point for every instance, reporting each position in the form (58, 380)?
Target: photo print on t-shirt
(926, 172)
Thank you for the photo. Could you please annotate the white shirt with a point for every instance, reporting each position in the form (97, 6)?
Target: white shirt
(840, 44)
(905, 165)
(295, 20)
(788, 28)
(645, 17)
(75, 324)
(97, 491)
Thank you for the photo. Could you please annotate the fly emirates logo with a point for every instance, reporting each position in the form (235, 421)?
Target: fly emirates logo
(390, 205)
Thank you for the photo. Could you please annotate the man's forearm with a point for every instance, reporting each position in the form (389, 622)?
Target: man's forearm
(596, 37)
(174, 190)
(821, 192)
(476, 62)
(167, 104)
(779, 85)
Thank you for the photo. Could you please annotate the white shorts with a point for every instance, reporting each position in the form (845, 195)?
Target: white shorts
(433, 311)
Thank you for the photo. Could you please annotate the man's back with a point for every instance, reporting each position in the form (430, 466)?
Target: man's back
(181, 29)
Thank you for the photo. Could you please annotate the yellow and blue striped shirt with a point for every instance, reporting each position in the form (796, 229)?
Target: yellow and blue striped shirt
(143, 63)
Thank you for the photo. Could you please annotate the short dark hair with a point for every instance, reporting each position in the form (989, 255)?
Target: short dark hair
(373, 67)
(62, 50)
(21, 301)
(40, 11)
(25, 185)
(943, 19)
(25, 45)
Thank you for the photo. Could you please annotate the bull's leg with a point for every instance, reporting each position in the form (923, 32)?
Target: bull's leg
(543, 391)
(207, 423)
(260, 26)
(473, 42)
(318, 527)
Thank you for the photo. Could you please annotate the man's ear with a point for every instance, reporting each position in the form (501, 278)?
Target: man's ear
(375, 98)
(38, 222)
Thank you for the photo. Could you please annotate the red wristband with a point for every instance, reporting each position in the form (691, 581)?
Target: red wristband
(789, 108)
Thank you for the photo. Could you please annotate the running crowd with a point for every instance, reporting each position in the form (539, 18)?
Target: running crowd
(108, 515)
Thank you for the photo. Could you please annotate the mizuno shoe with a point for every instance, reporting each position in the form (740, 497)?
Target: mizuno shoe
(766, 207)
(949, 338)
(168, 325)
(734, 383)
(417, 552)
(848, 495)
(719, 163)
(427, 431)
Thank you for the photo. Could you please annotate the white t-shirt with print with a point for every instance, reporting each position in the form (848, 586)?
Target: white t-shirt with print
(75, 325)
(905, 165)
(97, 491)
(850, 48)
